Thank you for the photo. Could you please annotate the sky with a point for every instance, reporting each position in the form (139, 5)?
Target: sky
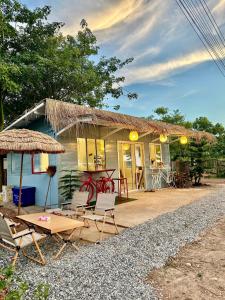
(171, 67)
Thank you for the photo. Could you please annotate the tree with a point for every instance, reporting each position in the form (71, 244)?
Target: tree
(43, 63)
(198, 154)
(175, 117)
(195, 153)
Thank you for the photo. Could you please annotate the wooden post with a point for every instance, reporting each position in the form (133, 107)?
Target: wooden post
(1, 172)
(46, 199)
(21, 181)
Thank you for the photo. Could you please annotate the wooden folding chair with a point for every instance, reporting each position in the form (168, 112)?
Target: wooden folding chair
(103, 210)
(17, 242)
(11, 223)
(74, 208)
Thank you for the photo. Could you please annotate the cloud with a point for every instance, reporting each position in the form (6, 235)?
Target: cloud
(152, 51)
(116, 14)
(188, 94)
(100, 14)
(151, 31)
(160, 71)
(219, 6)
(129, 37)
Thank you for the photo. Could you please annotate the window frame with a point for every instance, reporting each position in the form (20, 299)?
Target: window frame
(12, 170)
(96, 152)
(155, 144)
(32, 165)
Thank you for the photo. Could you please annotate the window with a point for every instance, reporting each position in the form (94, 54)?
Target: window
(40, 163)
(15, 162)
(91, 154)
(155, 155)
(82, 154)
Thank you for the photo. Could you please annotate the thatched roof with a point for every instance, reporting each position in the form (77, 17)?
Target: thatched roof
(28, 141)
(61, 114)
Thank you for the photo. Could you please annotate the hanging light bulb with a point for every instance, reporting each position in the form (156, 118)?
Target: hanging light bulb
(183, 140)
(163, 138)
(133, 136)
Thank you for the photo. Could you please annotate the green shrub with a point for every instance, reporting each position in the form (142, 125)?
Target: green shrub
(8, 291)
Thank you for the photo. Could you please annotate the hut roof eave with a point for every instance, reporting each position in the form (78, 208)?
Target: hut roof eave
(61, 115)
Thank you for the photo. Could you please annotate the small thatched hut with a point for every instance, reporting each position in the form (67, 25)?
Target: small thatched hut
(96, 139)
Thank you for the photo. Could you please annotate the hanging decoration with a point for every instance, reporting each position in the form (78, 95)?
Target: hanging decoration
(133, 136)
(163, 138)
(183, 140)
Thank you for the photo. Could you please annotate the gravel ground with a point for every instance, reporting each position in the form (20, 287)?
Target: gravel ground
(117, 268)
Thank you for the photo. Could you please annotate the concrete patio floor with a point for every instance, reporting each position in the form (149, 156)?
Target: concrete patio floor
(150, 205)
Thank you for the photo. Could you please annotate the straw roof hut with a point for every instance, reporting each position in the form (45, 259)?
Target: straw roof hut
(62, 115)
(28, 141)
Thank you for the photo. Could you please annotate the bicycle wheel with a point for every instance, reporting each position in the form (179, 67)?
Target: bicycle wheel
(87, 187)
(109, 186)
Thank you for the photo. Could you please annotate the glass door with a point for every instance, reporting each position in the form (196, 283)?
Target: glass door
(131, 164)
(139, 166)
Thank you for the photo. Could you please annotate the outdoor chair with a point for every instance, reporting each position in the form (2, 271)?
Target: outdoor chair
(11, 223)
(73, 208)
(16, 242)
(103, 210)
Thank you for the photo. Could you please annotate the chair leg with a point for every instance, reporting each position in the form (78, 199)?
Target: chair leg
(17, 253)
(14, 260)
(12, 250)
(96, 225)
(86, 223)
(80, 232)
(102, 230)
(117, 231)
(42, 260)
(38, 250)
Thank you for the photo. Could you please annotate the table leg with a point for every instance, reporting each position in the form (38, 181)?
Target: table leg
(65, 242)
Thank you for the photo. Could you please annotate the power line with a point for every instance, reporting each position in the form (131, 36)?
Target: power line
(204, 24)
(204, 29)
(213, 26)
(191, 21)
(217, 28)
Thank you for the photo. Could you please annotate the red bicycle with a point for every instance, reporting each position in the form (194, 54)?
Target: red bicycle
(102, 185)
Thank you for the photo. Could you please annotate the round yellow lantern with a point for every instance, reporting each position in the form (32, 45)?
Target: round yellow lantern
(163, 138)
(133, 136)
(183, 140)
(126, 147)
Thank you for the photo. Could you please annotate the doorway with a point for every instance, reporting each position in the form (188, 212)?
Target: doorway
(131, 164)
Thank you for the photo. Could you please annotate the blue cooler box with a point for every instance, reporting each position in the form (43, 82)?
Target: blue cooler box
(28, 195)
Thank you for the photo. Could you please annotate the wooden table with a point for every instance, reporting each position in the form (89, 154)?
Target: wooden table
(55, 226)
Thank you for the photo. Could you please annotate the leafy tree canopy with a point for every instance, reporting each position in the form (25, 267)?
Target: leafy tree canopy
(175, 117)
(197, 154)
(216, 150)
(37, 61)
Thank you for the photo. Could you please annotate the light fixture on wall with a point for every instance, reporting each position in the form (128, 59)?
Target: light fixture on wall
(183, 140)
(163, 138)
(133, 136)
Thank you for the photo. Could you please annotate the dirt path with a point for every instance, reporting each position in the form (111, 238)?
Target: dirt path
(197, 272)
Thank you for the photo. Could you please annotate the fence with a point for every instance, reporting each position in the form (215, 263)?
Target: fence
(215, 167)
